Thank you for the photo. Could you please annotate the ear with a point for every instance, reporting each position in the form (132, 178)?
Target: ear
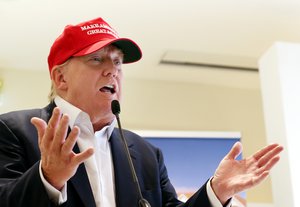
(58, 77)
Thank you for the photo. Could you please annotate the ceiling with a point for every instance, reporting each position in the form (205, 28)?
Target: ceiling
(223, 28)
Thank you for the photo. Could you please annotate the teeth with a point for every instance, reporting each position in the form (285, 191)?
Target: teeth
(109, 86)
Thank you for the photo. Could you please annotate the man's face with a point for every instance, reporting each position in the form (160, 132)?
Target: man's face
(93, 81)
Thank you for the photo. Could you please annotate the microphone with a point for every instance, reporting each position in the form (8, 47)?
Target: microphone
(115, 107)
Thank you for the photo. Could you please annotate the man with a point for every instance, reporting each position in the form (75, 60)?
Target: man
(71, 155)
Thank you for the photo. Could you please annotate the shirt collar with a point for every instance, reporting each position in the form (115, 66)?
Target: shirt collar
(79, 117)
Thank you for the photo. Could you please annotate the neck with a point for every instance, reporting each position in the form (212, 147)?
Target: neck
(98, 125)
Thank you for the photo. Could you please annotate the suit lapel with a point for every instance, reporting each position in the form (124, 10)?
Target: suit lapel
(46, 112)
(82, 185)
(126, 193)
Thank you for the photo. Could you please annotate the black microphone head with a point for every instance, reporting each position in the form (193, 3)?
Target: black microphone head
(115, 107)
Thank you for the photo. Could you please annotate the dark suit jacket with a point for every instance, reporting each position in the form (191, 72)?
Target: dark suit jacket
(20, 183)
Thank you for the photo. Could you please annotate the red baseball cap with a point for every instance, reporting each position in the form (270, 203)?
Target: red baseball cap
(88, 37)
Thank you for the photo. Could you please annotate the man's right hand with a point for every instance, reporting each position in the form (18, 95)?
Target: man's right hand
(59, 162)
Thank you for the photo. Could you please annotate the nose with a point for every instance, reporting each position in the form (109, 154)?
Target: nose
(110, 69)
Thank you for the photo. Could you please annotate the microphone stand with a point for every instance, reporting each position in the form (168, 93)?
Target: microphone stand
(115, 106)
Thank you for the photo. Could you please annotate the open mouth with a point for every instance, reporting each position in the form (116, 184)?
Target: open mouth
(108, 89)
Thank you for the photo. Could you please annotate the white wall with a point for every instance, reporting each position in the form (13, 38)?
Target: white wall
(23, 89)
(280, 77)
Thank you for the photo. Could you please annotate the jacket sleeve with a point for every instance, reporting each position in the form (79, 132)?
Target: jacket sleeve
(20, 183)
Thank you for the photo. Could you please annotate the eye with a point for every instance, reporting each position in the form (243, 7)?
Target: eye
(118, 61)
(96, 59)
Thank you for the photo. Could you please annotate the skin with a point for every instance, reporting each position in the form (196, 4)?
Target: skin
(233, 176)
(79, 82)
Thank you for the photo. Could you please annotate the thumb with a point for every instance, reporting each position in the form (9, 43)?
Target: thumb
(235, 151)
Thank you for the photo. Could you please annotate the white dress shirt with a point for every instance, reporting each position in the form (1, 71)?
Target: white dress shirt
(99, 167)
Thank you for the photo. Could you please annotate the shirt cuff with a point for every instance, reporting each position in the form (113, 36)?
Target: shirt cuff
(214, 201)
(56, 196)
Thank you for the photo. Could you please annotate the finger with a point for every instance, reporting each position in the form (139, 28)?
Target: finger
(258, 179)
(235, 151)
(268, 166)
(81, 157)
(51, 128)
(40, 126)
(271, 154)
(264, 151)
(70, 141)
(252, 181)
(61, 133)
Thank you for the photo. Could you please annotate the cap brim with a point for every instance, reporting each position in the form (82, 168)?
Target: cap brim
(130, 49)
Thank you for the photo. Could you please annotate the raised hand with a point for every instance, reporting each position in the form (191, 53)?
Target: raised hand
(233, 176)
(59, 162)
